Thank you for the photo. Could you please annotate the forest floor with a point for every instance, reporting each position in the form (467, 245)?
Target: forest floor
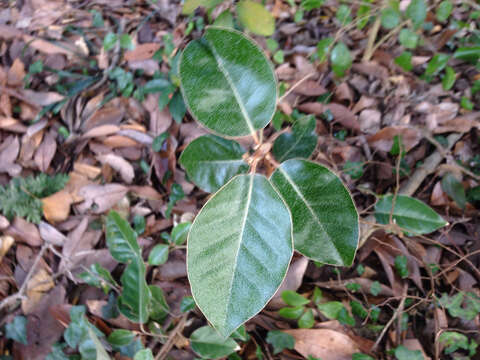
(89, 96)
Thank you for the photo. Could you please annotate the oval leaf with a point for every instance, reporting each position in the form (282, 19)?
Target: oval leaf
(211, 161)
(207, 343)
(410, 214)
(228, 83)
(238, 251)
(121, 239)
(301, 142)
(256, 18)
(341, 59)
(325, 221)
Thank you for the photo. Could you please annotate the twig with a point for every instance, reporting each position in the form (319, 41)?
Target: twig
(289, 91)
(162, 354)
(21, 292)
(392, 319)
(372, 35)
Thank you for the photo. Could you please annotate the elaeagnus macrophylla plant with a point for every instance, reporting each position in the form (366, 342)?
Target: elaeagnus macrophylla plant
(242, 240)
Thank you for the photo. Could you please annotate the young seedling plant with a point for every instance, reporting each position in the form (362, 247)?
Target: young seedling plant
(240, 244)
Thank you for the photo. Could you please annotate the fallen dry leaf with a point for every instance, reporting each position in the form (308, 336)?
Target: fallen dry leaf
(24, 232)
(142, 52)
(38, 285)
(383, 140)
(17, 73)
(45, 152)
(340, 113)
(9, 150)
(325, 344)
(6, 243)
(100, 198)
(50, 234)
(56, 207)
(120, 165)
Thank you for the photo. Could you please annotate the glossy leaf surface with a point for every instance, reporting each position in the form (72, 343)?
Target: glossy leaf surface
(256, 18)
(409, 213)
(301, 142)
(325, 221)
(210, 161)
(209, 344)
(227, 83)
(238, 251)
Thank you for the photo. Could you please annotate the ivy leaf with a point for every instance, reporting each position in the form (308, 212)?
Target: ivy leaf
(109, 41)
(390, 17)
(291, 312)
(101, 353)
(211, 161)
(409, 213)
(408, 38)
(323, 48)
(292, 298)
(280, 341)
(444, 9)
(239, 248)
(144, 354)
(158, 255)
(402, 353)
(121, 337)
(256, 18)
(404, 60)
(301, 142)
(341, 59)
(248, 96)
(307, 320)
(449, 78)
(437, 64)
(454, 188)
(325, 221)
(209, 344)
(126, 42)
(17, 329)
(417, 12)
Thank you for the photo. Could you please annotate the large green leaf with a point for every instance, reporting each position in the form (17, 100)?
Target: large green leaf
(210, 161)
(189, 6)
(301, 142)
(325, 221)
(238, 251)
(256, 18)
(410, 214)
(209, 344)
(227, 83)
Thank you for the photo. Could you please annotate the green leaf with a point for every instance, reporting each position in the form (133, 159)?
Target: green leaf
(401, 266)
(325, 221)
(454, 188)
(301, 142)
(417, 12)
(159, 307)
(134, 301)
(189, 6)
(17, 330)
(341, 59)
(126, 42)
(122, 243)
(360, 356)
(345, 318)
(293, 299)
(343, 14)
(225, 19)
(452, 341)
(280, 341)
(180, 232)
(457, 307)
(109, 41)
(375, 288)
(121, 239)
(187, 304)
(331, 309)
(256, 18)
(471, 54)
(121, 337)
(358, 309)
(101, 353)
(158, 255)
(409, 213)
(159, 140)
(156, 85)
(449, 78)
(323, 47)
(240, 334)
(466, 103)
(444, 9)
(408, 38)
(291, 312)
(307, 320)
(144, 354)
(308, 5)
(363, 16)
(177, 107)
(402, 353)
(235, 79)
(209, 344)
(354, 169)
(98, 276)
(390, 17)
(211, 161)
(437, 64)
(404, 60)
(239, 248)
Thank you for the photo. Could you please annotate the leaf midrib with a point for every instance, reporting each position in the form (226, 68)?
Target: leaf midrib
(302, 197)
(225, 73)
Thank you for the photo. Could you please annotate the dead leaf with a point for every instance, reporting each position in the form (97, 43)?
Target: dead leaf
(310, 88)
(9, 150)
(160, 120)
(100, 198)
(12, 125)
(38, 285)
(370, 120)
(51, 235)
(24, 232)
(17, 73)
(142, 52)
(56, 207)
(120, 165)
(102, 130)
(42, 98)
(383, 140)
(325, 344)
(6, 242)
(4, 223)
(89, 171)
(45, 152)
(340, 113)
